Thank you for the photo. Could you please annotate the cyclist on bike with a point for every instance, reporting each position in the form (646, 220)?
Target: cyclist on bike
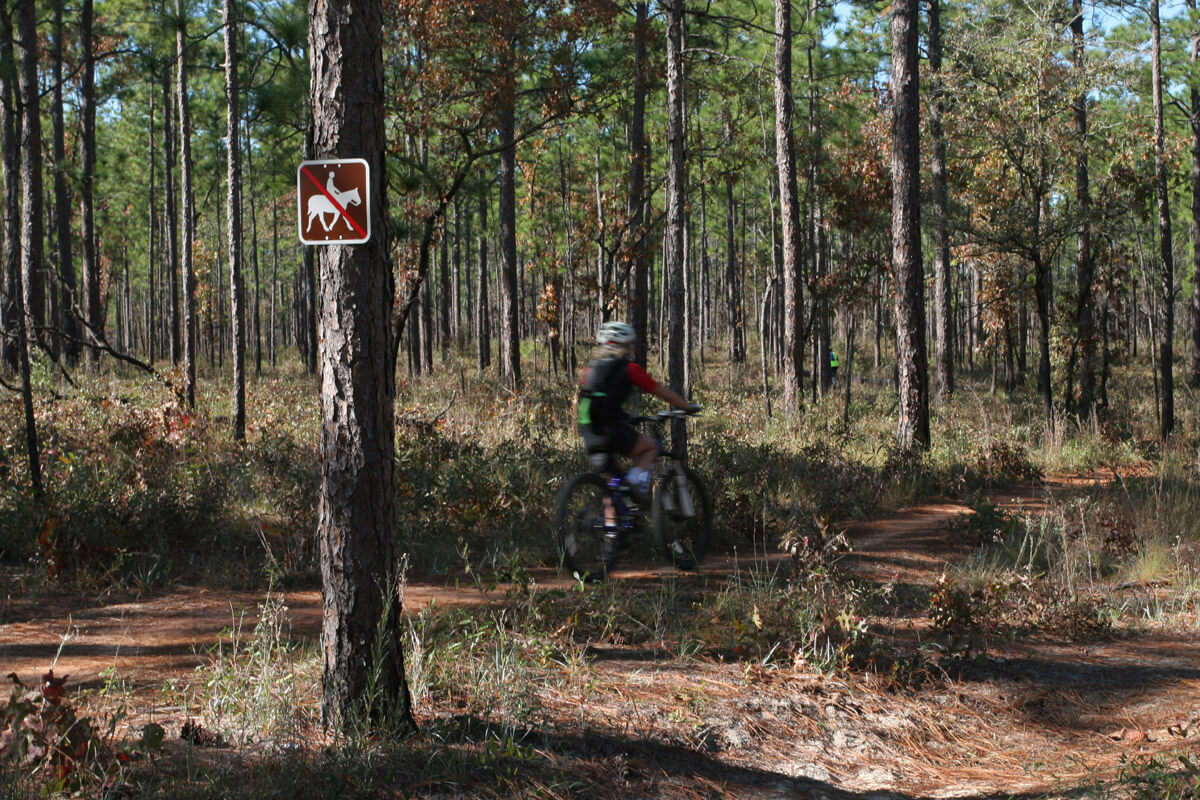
(604, 387)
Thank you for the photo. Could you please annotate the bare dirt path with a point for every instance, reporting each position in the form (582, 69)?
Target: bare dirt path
(162, 636)
(1039, 712)
(1033, 716)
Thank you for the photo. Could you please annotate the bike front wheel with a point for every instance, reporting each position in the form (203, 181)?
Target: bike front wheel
(578, 526)
(682, 514)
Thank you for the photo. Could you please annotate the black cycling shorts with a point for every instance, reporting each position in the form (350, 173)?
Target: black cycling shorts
(617, 437)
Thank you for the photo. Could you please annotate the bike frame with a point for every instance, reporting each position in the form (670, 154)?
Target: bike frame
(673, 463)
(597, 514)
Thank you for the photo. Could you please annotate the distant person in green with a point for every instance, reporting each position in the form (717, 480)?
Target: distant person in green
(833, 366)
(607, 381)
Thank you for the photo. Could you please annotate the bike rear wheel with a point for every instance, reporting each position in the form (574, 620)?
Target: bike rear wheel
(578, 526)
(683, 533)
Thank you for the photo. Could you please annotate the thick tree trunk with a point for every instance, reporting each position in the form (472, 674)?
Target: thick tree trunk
(362, 632)
(152, 244)
(93, 309)
(1167, 334)
(911, 358)
(941, 227)
(17, 317)
(32, 225)
(510, 335)
(172, 227)
(68, 328)
(186, 212)
(789, 209)
(1195, 302)
(822, 369)
(1085, 271)
(676, 252)
(233, 215)
(10, 269)
(639, 155)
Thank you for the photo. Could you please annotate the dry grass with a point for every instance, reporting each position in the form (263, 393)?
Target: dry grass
(753, 683)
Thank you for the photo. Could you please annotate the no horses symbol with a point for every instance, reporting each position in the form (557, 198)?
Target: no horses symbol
(334, 201)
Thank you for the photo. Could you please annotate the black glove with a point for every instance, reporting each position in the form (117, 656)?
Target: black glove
(692, 408)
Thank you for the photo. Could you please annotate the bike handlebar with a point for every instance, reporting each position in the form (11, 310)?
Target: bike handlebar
(662, 416)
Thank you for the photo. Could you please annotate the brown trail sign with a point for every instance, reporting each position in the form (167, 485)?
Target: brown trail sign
(334, 201)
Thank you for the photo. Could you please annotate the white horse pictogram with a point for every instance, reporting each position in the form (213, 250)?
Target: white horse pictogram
(319, 206)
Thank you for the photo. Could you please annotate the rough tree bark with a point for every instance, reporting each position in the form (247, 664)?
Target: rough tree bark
(941, 227)
(789, 209)
(152, 243)
(510, 335)
(68, 328)
(171, 209)
(639, 155)
(822, 332)
(93, 308)
(15, 276)
(233, 215)
(1085, 271)
(1167, 332)
(10, 276)
(186, 210)
(32, 225)
(1194, 120)
(361, 635)
(676, 201)
(911, 359)
(444, 295)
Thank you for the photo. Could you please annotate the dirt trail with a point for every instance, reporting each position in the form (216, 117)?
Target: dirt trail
(1033, 715)
(165, 636)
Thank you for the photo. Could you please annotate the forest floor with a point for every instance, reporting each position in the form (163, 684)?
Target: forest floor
(1032, 717)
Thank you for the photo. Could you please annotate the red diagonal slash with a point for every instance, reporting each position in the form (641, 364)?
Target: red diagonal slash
(345, 214)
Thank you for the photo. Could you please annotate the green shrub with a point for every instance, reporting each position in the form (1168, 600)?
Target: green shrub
(1159, 777)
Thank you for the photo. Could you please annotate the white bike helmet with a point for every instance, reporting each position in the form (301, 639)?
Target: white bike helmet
(616, 333)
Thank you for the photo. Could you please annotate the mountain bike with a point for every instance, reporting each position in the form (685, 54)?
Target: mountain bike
(598, 515)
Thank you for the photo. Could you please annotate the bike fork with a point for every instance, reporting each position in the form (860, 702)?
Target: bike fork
(685, 509)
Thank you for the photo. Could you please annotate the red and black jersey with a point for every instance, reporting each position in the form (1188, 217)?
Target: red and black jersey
(606, 385)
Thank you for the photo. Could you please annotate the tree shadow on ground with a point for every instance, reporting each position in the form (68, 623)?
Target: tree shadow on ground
(603, 764)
